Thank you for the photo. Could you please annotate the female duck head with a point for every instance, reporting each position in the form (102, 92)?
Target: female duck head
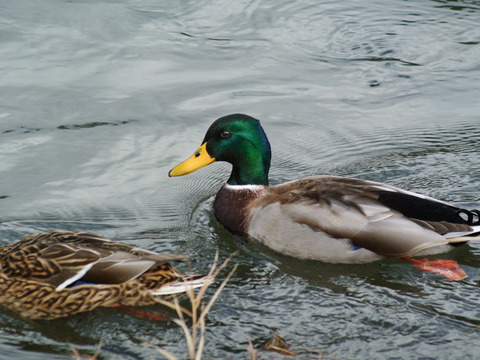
(238, 139)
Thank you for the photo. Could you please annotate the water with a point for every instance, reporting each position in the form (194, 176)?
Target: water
(99, 99)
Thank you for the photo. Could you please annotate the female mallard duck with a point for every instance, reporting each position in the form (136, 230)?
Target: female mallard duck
(325, 218)
(61, 273)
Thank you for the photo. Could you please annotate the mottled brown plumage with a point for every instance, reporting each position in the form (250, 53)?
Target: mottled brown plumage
(61, 273)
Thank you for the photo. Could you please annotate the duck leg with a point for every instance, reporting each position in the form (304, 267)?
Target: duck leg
(448, 268)
(142, 314)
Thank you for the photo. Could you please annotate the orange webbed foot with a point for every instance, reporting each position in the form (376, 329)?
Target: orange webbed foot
(448, 268)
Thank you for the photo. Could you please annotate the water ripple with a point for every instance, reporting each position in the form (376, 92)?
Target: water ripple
(386, 91)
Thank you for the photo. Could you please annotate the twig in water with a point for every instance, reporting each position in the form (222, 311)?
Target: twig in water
(198, 314)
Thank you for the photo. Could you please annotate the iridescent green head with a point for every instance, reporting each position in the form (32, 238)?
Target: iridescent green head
(238, 139)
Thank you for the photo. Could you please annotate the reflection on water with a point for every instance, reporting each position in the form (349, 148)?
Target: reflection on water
(100, 99)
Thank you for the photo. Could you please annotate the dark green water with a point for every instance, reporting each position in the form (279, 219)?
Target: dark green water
(99, 99)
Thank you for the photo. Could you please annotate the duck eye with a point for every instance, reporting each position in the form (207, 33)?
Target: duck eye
(225, 134)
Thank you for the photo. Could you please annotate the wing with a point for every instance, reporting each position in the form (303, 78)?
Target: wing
(61, 257)
(383, 219)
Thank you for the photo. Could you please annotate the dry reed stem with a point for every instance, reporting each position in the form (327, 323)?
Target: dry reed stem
(78, 356)
(251, 351)
(198, 313)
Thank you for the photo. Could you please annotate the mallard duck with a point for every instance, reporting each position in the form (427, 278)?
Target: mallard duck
(61, 273)
(325, 218)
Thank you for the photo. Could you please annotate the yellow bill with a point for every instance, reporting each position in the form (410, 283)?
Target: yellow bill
(199, 159)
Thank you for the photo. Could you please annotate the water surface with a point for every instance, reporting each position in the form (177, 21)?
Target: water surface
(99, 99)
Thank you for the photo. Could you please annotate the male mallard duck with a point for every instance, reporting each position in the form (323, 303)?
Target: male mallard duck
(325, 218)
(61, 273)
